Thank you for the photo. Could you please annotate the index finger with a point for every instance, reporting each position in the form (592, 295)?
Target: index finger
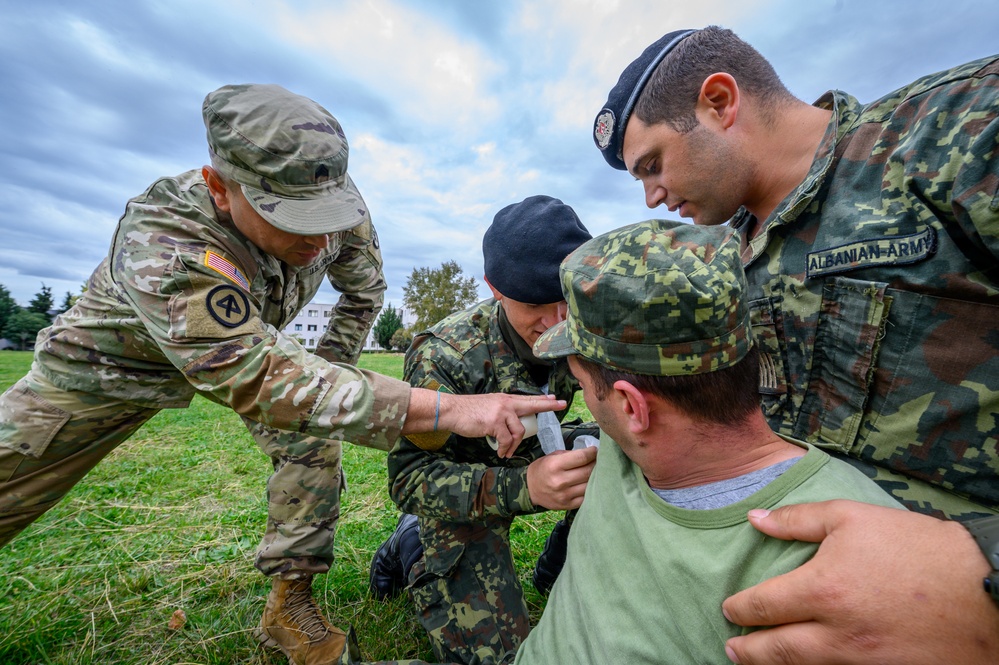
(783, 599)
(525, 405)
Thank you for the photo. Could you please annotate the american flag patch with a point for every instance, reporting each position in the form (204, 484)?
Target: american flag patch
(223, 267)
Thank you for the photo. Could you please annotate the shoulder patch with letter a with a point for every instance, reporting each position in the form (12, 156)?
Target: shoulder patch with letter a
(228, 305)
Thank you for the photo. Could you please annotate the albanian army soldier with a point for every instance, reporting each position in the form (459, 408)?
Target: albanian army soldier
(871, 251)
(465, 586)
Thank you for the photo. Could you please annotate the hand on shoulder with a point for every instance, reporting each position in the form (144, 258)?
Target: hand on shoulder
(886, 586)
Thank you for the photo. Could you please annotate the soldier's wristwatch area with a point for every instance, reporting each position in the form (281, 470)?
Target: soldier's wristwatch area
(986, 533)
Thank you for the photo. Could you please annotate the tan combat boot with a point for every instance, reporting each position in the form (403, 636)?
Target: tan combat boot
(293, 623)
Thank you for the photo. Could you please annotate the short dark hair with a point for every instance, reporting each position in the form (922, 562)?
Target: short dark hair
(725, 397)
(671, 94)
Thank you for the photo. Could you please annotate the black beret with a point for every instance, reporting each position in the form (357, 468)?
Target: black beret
(524, 246)
(610, 123)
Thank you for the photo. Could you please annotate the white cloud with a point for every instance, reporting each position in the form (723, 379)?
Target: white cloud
(453, 109)
(430, 71)
(107, 53)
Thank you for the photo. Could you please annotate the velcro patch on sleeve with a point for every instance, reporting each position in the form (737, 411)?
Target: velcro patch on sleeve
(228, 305)
(224, 267)
(218, 310)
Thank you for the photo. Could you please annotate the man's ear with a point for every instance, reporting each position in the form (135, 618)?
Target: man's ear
(217, 188)
(719, 100)
(633, 404)
(496, 294)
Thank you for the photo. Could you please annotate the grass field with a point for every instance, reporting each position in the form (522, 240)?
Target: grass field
(169, 522)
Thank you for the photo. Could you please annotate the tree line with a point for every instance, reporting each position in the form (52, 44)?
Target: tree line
(19, 324)
(430, 294)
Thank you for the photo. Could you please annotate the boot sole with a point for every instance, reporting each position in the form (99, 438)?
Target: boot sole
(268, 641)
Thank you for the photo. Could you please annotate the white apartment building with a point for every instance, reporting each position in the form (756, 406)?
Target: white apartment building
(310, 323)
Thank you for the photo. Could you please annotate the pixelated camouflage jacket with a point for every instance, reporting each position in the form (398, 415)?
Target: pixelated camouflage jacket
(184, 303)
(464, 480)
(875, 295)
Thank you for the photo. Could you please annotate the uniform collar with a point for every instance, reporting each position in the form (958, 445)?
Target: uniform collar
(537, 368)
(845, 113)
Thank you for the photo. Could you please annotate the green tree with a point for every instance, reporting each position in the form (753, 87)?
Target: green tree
(24, 326)
(68, 301)
(401, 339)
(386, 325)
(8, 307)
(42, 303)
(71, 300)
(433, 293)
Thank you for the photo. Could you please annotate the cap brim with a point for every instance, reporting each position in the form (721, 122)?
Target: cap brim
(340, 209)
(554, 343)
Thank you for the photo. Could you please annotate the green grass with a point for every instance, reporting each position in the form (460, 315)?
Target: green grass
(170, 521)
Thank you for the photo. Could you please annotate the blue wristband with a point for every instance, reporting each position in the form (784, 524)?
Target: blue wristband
(437, 411)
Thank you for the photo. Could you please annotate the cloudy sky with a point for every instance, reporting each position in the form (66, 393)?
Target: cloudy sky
(452, 108)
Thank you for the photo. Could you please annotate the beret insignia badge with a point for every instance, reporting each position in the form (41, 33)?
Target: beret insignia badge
(603, 128)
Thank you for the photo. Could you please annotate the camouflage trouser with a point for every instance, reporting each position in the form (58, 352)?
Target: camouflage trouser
(466, 591)
(51, 438)
(352, 656)
(303, 502)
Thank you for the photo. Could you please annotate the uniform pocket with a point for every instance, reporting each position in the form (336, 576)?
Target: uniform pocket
(431, 573)
(28, 423)
(850, 327)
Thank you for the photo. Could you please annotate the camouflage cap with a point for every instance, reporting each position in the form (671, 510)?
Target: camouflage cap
(660, 297)
(288, 154)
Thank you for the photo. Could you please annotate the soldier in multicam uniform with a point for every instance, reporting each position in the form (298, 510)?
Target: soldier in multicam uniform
(465, 585)
(872, 233)
(204, 270)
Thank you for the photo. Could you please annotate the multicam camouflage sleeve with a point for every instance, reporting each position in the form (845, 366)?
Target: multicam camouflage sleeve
(190, 316)
(357, 276)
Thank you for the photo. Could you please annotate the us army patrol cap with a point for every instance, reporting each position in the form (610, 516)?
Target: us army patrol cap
(524, 246)
(660, 297)
(288, 154)
(612, 120)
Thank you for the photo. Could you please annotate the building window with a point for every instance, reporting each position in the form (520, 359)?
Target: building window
(327, 313)
(313, 313)
(298, 326)
(313, 327)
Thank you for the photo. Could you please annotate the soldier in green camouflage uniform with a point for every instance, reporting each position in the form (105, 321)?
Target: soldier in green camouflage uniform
(204, 270)
(465, 586)
(873, 236)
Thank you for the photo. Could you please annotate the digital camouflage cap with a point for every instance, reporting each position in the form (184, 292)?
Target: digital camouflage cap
(289, 155)
(661, 298)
